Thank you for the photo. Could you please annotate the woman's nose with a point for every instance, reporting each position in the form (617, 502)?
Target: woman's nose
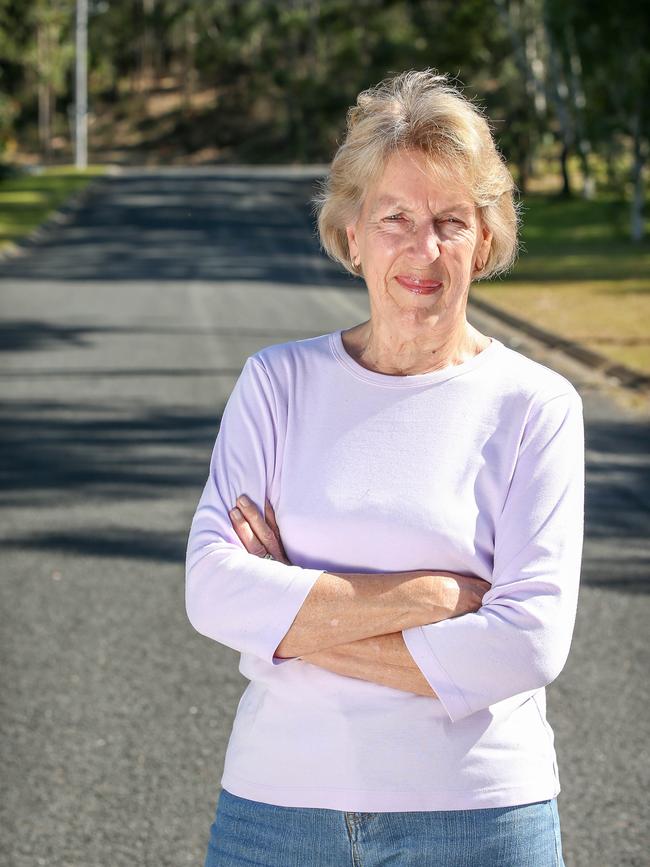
(426, 243)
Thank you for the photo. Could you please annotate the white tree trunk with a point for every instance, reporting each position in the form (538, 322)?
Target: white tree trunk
(579, 102)
(525, 50)
(44, 88)
(637, 227)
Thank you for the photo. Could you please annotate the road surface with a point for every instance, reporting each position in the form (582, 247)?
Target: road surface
(122, 334)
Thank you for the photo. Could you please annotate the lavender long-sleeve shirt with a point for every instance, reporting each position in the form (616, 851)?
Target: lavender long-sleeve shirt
(476, 468)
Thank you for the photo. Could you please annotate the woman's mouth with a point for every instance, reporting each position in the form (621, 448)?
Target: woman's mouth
(418, 286)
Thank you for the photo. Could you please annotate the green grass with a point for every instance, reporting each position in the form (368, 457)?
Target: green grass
(580, 276)
(27, 200)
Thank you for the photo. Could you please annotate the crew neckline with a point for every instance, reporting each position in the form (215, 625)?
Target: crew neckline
(410, 380)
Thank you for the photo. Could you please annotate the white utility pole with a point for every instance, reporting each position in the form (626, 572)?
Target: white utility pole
(81, 89)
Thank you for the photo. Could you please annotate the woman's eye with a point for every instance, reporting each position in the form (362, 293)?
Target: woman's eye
(393, 218)
(451, 220)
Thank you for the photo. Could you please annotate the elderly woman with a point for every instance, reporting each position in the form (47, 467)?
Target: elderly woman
(391, 532)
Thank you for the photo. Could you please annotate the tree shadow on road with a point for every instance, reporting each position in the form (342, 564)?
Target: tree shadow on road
(213, 226)
(32, 335)
(225, 229)
(617, 506)
(56, 455)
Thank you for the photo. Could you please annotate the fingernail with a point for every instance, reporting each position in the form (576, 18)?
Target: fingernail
(236, 514)
(243, 499)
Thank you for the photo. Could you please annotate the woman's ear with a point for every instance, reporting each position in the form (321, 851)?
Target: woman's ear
(351, 232)
(483, 250)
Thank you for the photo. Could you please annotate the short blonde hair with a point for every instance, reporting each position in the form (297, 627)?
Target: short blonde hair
(419, 110)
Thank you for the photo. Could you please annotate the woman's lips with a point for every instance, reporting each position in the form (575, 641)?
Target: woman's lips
(420, 287)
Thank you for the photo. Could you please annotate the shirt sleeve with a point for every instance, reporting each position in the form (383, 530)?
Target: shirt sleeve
(236, 598)
(519, 640)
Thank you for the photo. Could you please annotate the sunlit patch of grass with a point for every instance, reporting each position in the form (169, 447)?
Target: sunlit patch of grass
(613, 263)
(611, 320)
(26, 200)
(581, 277)
(21, 197)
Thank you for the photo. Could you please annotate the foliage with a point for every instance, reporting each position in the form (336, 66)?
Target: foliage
(283, 72)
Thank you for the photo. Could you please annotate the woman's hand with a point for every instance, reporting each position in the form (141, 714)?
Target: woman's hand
(447, 595)
(259, 535)
(465, 594)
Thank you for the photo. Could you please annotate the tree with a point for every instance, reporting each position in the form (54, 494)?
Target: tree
(614, 48)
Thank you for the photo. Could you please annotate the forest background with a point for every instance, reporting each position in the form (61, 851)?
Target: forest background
(196, 82)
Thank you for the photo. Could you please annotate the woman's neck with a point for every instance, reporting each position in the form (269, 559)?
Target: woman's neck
(391, 352)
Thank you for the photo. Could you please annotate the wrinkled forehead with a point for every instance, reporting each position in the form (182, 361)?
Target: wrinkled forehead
(411, 178)
(446, 200)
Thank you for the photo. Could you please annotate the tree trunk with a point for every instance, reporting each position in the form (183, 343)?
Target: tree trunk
(190, 78)
(146, 45)
(559, 93)
(526, 55)
(637, 227)
(533, 51)
(564, 165)
(516, 17)
(44, 91)
(522, 174)
(579, 103)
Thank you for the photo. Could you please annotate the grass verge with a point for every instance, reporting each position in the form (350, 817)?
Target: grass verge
(26, 200)
(581, 277)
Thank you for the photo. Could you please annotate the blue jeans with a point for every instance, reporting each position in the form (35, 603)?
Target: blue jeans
(264, 835)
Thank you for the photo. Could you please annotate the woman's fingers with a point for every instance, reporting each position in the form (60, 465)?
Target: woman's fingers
(269, 514)
(243, 529)
(273, 524)
(258, 537)
(472, 589)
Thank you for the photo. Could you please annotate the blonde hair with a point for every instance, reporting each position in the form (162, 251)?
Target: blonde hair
(419, 110)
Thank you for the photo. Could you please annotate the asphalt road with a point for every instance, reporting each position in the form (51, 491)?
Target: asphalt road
(122, 334)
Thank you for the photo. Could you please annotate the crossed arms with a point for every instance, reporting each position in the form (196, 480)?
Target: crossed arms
(351, 624)
(428, 632)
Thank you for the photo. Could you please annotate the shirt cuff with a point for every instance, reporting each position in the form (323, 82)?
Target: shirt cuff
(438, 679)
(290, 603)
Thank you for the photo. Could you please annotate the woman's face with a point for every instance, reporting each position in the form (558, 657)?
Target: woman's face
(419, 240)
